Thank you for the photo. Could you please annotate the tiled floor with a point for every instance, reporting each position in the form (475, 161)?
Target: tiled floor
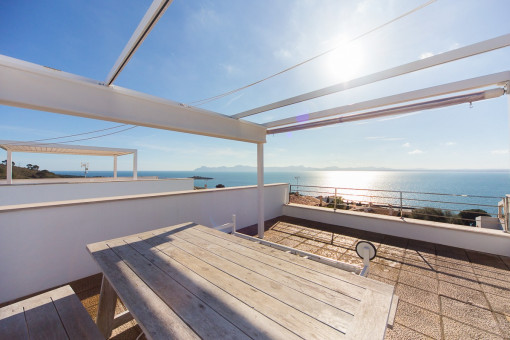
(445, 292)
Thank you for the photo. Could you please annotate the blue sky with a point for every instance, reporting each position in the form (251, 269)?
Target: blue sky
(202, 48)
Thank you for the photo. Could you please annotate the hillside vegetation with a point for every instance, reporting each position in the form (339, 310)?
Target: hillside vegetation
(33, 172)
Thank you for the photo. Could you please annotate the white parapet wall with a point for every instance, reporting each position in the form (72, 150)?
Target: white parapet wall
(478, 239)
(48, 192)
(42, 245)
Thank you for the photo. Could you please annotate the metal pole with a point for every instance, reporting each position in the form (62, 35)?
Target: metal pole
(233, 224)
(507, 213)
(135, 165)
(115, 166)
(9, 167)
(334, 209)
(401, 215)
(260, 188)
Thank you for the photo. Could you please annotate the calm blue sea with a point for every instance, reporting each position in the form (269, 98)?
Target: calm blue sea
(495, 184)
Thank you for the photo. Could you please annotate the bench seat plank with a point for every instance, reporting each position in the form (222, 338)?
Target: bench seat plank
(56, 314)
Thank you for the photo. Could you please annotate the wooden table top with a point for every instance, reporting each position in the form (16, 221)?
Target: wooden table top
(188, 281)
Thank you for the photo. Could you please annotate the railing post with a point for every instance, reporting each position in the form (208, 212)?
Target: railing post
(334, 209)
(507, 213)
(401, 215)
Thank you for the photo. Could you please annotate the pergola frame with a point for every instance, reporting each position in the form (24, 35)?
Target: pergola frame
(54, 148)
(35, 87)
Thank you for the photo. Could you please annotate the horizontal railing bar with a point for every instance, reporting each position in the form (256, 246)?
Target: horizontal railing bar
(398, 191)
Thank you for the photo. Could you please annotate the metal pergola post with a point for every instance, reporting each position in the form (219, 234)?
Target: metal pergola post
(135, 165)
(9, 167)
(115, 167)
(260, 188)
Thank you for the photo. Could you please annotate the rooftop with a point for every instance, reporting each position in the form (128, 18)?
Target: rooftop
(444, 292)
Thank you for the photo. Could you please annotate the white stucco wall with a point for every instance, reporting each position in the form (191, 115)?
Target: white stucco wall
(484, 240)
(48, 192)
(43, 245)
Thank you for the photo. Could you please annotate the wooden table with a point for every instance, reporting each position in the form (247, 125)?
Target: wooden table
(188, 282)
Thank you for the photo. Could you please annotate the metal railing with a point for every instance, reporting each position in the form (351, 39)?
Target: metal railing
(439, 207)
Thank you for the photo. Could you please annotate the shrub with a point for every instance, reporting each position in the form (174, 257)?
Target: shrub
(432, 214)
(220, 186)
(340, 204)
(468, 217)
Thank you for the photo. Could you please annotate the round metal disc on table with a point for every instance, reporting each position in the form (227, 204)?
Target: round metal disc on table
(371, 249)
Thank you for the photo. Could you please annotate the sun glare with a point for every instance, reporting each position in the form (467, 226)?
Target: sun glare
(343, 64)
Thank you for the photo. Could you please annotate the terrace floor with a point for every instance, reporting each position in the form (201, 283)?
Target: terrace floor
(445, 292)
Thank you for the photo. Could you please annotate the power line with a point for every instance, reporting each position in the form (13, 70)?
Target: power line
(210, 99)
(78, 134)
(76, 140)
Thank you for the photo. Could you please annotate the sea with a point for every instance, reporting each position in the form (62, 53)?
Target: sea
(464, 189)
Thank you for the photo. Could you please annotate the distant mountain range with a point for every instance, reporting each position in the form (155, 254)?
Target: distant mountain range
(246, 168)
(297, 168)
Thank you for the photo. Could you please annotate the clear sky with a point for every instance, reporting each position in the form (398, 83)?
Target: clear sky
(203, 48)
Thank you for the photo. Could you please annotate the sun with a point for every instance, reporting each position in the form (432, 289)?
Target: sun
(344, 63)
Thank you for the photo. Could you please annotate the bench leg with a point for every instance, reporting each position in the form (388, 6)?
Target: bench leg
(106, 308)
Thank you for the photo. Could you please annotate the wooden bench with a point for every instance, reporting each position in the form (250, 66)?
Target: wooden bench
(57, 314)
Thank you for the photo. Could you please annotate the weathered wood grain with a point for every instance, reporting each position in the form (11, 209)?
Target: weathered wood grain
(157, 320)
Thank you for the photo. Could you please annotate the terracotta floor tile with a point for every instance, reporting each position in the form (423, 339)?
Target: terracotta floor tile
(458, 277)
(455, 330)
(467, 295)
(384, 271)
(442, 263)
(314, 243)
(418, 281)
(383, 260)
(504, 323)
(468, 314)
(289, 242)
(494, 286)
(400, 332)
(500, 304)
(328, 253)
(418, 319)
(422, 268)
(381, 279)
(307, 247)
(356, 261)
(418, 297)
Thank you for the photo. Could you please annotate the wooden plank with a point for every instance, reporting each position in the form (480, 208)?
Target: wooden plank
(106, 308)
(323, 312)
(341, 286)
(373, 311)
(330, 262)
(12, 323)
(42, 319)
(248, 319)
(122, 318)
(313, 265)
(204, 320)
(77, 322)
(393, 311)
(284, 314)
(157, 320)
(303, 283)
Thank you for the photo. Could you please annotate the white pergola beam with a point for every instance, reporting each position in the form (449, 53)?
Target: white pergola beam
(459, 86)
(37, 87)
(434, 104)
(446, 57)
(151, 17)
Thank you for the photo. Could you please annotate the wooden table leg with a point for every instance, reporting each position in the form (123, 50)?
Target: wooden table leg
(106, 308)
